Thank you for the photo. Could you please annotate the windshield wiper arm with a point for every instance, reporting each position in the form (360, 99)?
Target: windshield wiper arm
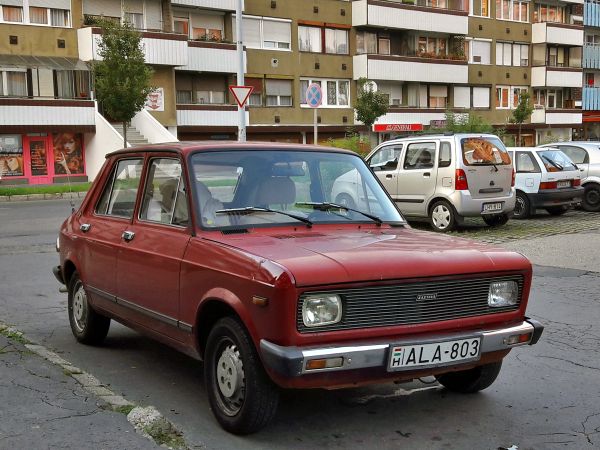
(324, 206)
(253, 209)
(555, 164)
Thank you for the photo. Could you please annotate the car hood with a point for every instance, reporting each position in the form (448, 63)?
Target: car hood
(320, 257)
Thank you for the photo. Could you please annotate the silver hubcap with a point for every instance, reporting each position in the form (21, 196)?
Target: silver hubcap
(440, 217)
(230, 379)
(80, 308)
(519, 207)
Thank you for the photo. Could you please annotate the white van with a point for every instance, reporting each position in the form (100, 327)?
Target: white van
(547, 179)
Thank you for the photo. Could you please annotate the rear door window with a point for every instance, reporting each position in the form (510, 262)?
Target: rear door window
(120, 193)
(420, 155)
(386, 158)
(484, 151)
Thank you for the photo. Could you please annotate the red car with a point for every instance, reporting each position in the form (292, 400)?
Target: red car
(236, 254)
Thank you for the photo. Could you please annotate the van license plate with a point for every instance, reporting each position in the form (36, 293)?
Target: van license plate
(404, 357)
(489, 207)
(563, 184)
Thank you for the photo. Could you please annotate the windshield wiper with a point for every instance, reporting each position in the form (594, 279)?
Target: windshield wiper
(555, 164)
(254, 209)
(324, 206)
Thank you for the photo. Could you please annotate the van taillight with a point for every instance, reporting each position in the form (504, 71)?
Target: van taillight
(548, 185)
(576, 182)
(512, 183)
(460, 182)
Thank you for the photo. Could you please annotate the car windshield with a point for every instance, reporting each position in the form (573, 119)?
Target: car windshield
(556, 160)
(248, 188)
(484, 151)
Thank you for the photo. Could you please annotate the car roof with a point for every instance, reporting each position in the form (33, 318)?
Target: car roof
(187, 147)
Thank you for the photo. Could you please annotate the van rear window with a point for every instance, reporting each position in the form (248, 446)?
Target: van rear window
(484, 151)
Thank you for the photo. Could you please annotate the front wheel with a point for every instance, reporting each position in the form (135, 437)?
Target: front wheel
(472, 380)
(241, 395)
(442, 216)
(88, 326)
(496, 220)
(557, 210)
(591, 197)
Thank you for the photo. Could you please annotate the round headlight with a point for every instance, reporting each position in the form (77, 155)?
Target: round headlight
(503, 293)
(319, 310)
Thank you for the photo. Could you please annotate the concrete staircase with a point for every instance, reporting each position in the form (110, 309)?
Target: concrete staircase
(134, 137)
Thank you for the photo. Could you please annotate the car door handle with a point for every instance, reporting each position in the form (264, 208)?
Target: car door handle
(426, 174)
(389, 176)
(128, 235)
(85, 227)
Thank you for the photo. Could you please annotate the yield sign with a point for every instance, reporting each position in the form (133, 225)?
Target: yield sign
(241, 94)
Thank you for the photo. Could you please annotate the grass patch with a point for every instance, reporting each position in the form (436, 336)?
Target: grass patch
(124, 409)
(13, 335)
(53, 189)
(169, 439)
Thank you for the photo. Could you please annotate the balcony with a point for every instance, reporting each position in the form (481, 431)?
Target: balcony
(423, 116)
(397, 15)
(407, 68)
(557, 116)
(591, 57)
(221, 5)
(556, 77)
(212, 57)
(591, 14)
(556, 33)
(591, 98)
(160, 48)
(47, 112)
(207, 115)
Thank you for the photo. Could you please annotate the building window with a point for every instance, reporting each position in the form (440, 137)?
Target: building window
(255, 98)
(502, 94)
(480, 8)
(181, 25)
(38, 15)
(589, 79)
(279, 92)
(13, 83)
(431, 46)
(480, 52)
(556, 57)
(508, 54)
(72, 83)
(520, 55)
(438, 96)
(548, 98)
(366, 42)
(516, 95)
(336, 93)
(136, 20)
(471, 97)
(12, 14)
(384, 45)
(512, 10)
(549, 13)
(336, 41)
(265, 33)
(309, 39)
(592, 39)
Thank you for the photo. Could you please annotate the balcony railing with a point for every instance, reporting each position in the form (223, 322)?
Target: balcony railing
(402, 68)
(44, 111)
(591, 98)
(449, 5)
(591, 56)
(591, 14)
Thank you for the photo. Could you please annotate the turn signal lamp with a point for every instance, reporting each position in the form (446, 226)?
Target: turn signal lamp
(325, 363)
(518, 339)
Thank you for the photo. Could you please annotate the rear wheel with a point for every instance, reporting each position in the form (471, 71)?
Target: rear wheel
(472, 380)
(496, 220)
(87, 325)
(241, 395)
(442, 216)
(557, 210)
(522, 207)
(591, 197)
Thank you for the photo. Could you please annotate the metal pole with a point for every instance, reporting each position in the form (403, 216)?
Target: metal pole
(240, 71)
(316, 128)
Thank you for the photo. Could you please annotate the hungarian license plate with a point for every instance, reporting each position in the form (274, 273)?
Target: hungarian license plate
(563, 184)
(405, 357)
(490, 207)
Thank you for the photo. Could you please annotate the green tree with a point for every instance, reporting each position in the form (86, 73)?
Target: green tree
(522, 112)
(370, 105)
(121, 77)
(466, 123)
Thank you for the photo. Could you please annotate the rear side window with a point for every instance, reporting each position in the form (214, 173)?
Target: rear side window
(525, 163)
(445, 158)
(120, 192)
(576, 154)
(419, 155)
(484, 151)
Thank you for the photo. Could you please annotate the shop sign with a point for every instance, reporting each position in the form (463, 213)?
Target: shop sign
(156, 100)
(437, 123)
(11, 156)
(390, 127)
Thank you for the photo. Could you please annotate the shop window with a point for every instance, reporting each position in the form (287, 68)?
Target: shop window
(11, 156)
(68, 154)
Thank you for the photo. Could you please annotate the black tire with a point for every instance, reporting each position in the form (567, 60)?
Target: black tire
(345, 200)
(557, 210)
(442, 216)
(522, 206)
(496, 220)
(242, 396)
(591, 197)
(87, 325)
(472, 380)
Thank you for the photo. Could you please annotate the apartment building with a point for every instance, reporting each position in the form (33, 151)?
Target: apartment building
(591, 68)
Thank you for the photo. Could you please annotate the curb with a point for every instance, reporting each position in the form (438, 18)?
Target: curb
(33, 197)
(147, 421)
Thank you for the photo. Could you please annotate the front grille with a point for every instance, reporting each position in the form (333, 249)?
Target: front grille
(389, 305)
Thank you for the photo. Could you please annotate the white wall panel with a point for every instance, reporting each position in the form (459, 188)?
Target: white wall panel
(562, 117)
(165, 52)
(423, 118)
(225, 5)
(548, 33)
(46, 115)
(187, 117)
(538, 76)
(481, 97)
(558, 78)
(212, 60)
(424, 72)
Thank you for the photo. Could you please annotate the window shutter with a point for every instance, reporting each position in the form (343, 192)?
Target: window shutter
(12, 2)
(279, 87)
(462, 97)
(102, 8)
(277, 31)
(481, 97)
(481, 49)
(133, 6)
(54, 4)
(252, 32)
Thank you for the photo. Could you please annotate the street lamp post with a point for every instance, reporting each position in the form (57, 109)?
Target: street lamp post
(240, 70)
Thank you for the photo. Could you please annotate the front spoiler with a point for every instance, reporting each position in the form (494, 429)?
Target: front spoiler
(291, 361)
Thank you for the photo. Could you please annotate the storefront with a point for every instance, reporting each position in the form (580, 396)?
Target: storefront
(41, 158)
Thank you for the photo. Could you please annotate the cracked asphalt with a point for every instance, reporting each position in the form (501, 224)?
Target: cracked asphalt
(546, 396)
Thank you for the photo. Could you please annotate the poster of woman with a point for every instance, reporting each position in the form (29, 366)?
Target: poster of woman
(68, 154)
(11, 156)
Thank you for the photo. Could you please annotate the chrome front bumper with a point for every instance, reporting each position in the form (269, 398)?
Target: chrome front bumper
(292, 361)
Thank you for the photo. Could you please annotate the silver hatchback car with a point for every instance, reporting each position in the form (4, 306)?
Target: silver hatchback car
(443, 177)
(586, 155)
